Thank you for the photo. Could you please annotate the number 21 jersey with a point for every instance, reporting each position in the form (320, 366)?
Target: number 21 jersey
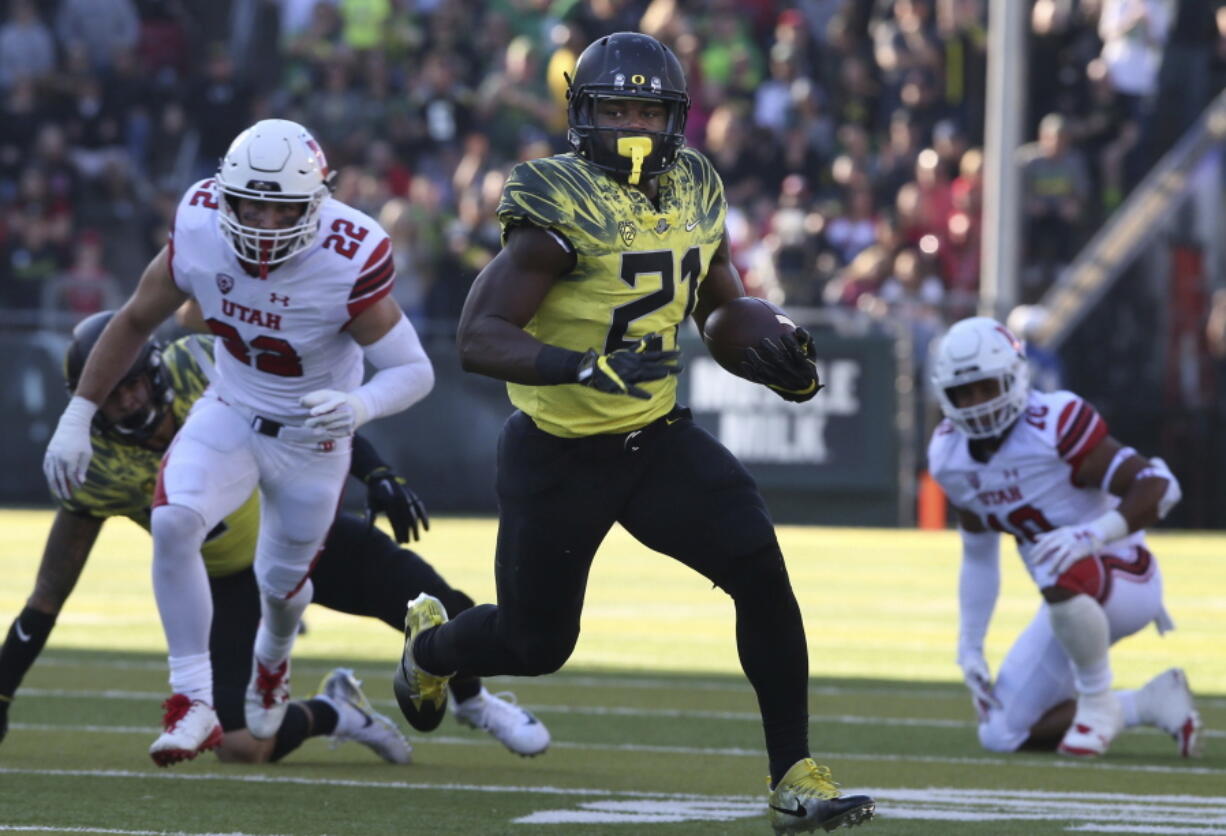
(284, 335)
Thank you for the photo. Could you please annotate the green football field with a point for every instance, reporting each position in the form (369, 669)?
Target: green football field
(654, 729)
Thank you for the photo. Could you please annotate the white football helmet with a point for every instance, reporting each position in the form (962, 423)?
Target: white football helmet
(279, 161)
(980, 348)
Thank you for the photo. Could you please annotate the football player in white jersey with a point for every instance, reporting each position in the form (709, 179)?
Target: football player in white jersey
(296, 287)
(1043, 468)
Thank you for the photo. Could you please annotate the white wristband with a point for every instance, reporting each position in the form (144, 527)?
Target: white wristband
(80, 411)
(1110, 527)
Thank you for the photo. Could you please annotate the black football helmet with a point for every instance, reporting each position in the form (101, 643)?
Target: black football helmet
(627, 65)
(139, 426)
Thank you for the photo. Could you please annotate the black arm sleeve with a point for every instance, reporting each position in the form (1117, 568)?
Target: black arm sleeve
(366, 458)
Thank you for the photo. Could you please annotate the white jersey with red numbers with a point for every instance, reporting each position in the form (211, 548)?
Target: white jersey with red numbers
(284, 333)
(1027, 486)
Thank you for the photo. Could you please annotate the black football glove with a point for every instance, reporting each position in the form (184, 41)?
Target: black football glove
(617, 372)
(785, 364)
(387, 493)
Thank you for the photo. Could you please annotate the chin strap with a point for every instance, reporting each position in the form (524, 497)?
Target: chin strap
(636, 148)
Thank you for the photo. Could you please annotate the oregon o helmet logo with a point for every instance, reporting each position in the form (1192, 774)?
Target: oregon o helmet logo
(638, 79)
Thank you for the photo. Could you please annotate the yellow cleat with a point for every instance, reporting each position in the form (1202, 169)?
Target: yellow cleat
(422, 695)
(807, 798)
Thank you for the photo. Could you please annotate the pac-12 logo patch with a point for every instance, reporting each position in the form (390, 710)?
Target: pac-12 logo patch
(225, 283)
(628, 230)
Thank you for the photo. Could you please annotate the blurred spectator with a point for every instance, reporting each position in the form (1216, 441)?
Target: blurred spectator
(87, 287)
(513, 102)
(852, 232)
(364, 21)
(1108, 130)
(26, 48)
(1186, 73)
(1046, 373)
(1055, 187)
(100, 28)
(30, 260)
(1134, 36)
(221, 108)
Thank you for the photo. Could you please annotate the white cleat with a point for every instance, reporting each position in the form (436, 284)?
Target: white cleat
(1098, 720)
(267, 699)
(513, 726)
(1166, 703)
(191, 727)
(357, 720)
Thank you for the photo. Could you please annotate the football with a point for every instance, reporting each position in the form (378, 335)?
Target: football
(739, 324)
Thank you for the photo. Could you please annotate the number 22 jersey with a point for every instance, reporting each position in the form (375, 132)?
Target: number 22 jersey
(283, 334)
(1027, 486)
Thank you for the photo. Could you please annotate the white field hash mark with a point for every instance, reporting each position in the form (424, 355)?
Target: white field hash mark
(1081, 811)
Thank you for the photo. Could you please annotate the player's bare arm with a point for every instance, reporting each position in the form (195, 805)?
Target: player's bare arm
(189, 316)
(375, 322)
(155, 299)
(68, 546)
(503, 299)
(1141, 496)
(722, 283)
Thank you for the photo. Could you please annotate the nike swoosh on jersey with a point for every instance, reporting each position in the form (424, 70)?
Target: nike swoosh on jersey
(21, 634)
(690, 226)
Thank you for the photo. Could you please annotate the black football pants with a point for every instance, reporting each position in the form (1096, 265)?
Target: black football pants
(677, 490)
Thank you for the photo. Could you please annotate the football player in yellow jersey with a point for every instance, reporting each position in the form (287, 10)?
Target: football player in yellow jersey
(360, 569)
(607, 251)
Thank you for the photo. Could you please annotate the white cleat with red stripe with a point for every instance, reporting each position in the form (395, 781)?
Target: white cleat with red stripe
(1098, 720)
(191, 727)
(267, 698)
(1166, 702)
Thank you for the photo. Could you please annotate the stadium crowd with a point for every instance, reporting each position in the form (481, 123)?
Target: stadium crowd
(848, 133)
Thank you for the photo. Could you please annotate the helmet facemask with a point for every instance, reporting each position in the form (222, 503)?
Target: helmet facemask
(600, 144)
(993, 417)
(269, 247)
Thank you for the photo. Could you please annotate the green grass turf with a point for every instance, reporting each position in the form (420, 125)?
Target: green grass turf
(654, 728)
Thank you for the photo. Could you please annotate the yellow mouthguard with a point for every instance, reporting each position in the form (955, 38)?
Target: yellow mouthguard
(636, 148)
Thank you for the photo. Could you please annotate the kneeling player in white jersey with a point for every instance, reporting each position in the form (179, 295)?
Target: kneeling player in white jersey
(1043, 467)
(295, 285)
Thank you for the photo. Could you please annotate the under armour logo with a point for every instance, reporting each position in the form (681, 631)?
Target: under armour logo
(274, 299)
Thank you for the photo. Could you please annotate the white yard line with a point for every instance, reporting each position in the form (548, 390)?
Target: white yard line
(591, 710)
(65, 829)
(1013, 762)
